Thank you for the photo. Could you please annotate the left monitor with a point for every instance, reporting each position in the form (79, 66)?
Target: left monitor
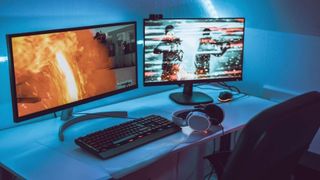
(58, 69)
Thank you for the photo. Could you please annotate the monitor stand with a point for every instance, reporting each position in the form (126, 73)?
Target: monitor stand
(69, 119)
(188, 97)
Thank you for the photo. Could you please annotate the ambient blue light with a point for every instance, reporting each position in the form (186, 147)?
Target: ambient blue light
(211, 10)
(3, 59)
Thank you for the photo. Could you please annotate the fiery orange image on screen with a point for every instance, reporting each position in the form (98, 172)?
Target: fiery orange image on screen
(58, 68)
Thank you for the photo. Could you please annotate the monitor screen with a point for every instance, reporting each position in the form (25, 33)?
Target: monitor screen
(57, 69)
(193, 50)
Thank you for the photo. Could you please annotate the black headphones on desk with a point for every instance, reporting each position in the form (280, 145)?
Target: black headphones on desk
(201, 118)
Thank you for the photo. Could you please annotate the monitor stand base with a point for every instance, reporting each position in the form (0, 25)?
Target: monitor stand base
(89, 116)
(188, 97)
(194, 99)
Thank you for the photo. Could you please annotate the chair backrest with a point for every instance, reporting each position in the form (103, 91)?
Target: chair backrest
(272, 143)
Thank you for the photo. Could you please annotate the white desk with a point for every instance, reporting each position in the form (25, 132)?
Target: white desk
(34, 152)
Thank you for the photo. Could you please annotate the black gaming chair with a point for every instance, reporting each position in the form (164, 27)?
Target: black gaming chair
(272, 143)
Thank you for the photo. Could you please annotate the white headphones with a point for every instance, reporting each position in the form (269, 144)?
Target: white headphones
(197, 121)
(200, 118)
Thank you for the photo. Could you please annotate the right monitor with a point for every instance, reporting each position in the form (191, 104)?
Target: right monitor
(186, 51)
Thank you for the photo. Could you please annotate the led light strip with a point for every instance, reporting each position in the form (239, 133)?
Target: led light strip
(140, 42)
(211, 10)
(3, 59)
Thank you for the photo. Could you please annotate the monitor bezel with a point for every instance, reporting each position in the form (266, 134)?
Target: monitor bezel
(191, 81)
(16, 116)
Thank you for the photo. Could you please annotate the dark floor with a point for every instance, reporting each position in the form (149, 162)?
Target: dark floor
(301, 173)
(304, 173)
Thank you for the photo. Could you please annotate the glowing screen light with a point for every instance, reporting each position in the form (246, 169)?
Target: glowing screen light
(70, 81)
(193, 49)
(60, 67)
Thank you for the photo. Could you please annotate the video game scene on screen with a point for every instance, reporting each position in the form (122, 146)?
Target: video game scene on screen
(192, 49)
(53, 69)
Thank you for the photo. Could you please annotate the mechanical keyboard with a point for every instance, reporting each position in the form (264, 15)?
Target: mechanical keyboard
(123, 137)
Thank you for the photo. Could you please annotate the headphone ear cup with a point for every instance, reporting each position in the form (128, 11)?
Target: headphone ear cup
(198, 120)
(215, 113)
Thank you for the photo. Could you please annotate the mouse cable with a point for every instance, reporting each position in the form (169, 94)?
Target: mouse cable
(198, 85)
(231, 88)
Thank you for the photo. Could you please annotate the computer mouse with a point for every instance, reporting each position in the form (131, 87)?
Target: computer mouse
(225, 96)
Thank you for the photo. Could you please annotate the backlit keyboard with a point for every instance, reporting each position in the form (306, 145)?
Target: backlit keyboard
(121, 138)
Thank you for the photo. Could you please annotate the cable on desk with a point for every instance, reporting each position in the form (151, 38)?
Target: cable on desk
(231, 88)
(234, 99)
(239, 97)
(223, 84)
(222, 128)
(207, 88)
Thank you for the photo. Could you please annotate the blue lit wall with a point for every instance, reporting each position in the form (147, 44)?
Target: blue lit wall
(281, 42)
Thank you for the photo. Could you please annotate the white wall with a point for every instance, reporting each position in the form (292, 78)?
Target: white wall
(286, 61)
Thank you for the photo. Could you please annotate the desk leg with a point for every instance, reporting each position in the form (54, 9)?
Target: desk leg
(201, 161)
(190, 164)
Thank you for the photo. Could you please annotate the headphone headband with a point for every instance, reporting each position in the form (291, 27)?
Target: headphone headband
(213, 113)
(179, 117)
